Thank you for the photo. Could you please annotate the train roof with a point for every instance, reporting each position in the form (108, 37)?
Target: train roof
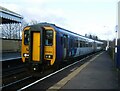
(43, 24)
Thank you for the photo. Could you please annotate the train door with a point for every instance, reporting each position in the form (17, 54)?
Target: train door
(36, 46)
(65, 46)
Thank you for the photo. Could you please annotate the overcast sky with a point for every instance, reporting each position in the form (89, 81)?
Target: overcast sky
(97, 17)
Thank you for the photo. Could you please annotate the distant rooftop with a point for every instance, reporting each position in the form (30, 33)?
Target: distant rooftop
(7, 16)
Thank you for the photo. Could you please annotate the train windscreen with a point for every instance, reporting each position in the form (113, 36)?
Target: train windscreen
(49, 38)
(26, 37)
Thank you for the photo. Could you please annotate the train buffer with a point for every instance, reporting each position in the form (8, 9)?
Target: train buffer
(98, 73)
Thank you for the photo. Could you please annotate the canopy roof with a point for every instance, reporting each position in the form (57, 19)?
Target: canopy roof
(7, 16)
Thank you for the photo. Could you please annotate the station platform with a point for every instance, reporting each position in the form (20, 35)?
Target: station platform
(10, 55)
(98, 73)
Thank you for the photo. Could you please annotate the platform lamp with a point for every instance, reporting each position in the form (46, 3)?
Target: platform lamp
(116, 42)
(116, 39)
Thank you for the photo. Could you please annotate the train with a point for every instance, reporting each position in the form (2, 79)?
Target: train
(46, 45)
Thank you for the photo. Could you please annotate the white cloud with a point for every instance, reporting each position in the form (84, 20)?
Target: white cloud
(12, 7)
(81, 20)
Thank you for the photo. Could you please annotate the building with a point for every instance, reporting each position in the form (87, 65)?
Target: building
(7, 16)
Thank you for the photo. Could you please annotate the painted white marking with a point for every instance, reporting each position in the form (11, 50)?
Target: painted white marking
(11, 59)
(23, 88)
(15, 82)
(62, 82)
(47, 76)
(74, 69)
(115, 49)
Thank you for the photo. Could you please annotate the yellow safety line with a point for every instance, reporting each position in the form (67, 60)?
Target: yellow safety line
(61, 83)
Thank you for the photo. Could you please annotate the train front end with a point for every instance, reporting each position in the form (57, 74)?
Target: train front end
(39, 46)
(25, 44)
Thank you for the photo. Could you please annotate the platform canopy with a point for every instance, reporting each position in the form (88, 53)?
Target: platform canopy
(7, 16)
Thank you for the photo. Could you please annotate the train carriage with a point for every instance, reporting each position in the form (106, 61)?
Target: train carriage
(46, 44)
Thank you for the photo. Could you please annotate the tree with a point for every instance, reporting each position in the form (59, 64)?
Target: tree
(91, 36)
(13, 30)
(32, 22)
(96, 37)
(86, 35)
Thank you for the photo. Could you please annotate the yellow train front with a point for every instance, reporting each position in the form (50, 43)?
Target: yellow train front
(38, 46)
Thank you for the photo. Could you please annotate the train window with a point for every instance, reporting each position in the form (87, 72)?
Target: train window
(80, 43)
(61, 40)
(84, 44)
(26, 37)
(49, 38)
(65, 41)
(76, 43)
(71, 44)
(91, 44)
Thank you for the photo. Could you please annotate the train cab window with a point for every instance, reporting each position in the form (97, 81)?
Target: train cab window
(49, 38)
(26, 37)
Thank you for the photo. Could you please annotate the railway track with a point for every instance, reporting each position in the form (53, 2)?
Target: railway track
(12, 70)
(29, 81)
(4, 86)
(12, 62)
(12, 66)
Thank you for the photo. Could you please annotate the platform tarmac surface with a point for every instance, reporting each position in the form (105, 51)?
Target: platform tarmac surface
(98, 73)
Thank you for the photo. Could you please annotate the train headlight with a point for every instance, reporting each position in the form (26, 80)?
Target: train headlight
(49, 56)
(26, 55)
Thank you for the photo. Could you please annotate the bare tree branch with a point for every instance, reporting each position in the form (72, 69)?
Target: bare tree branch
(13, 31)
